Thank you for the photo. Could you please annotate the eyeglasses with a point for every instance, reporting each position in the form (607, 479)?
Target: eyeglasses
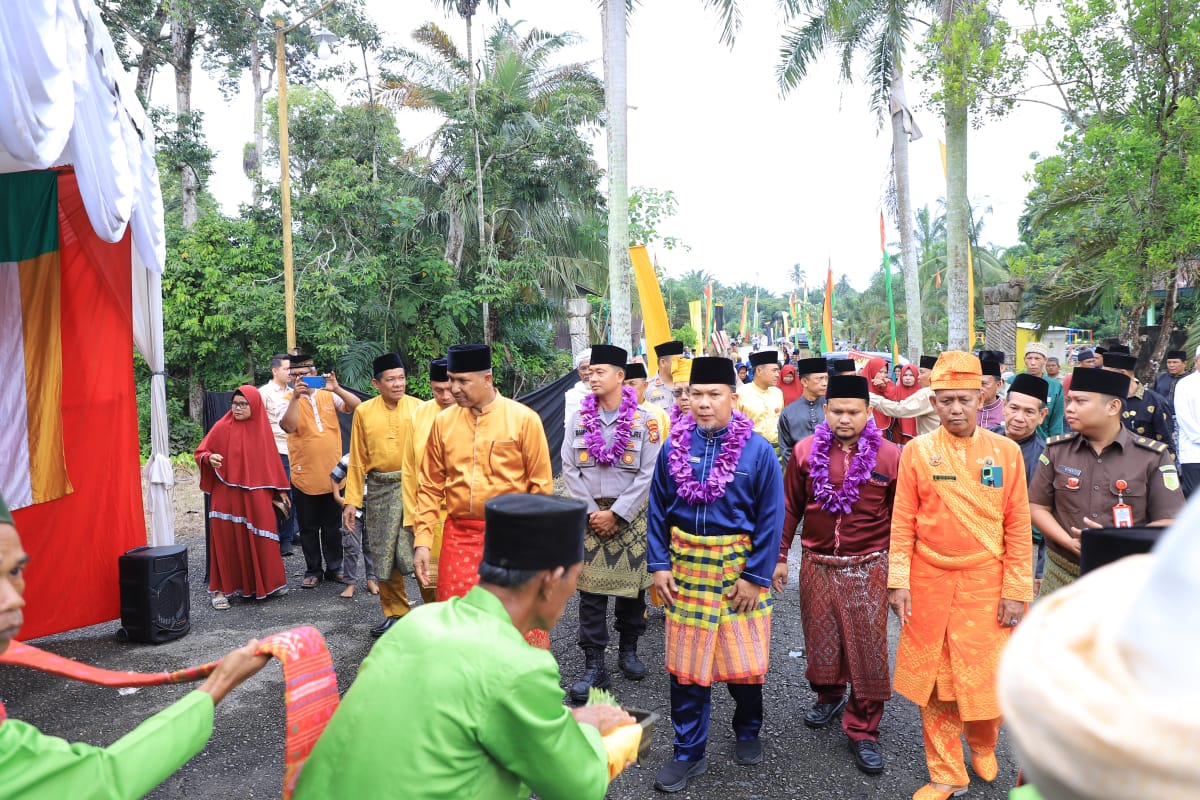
(677, 392)
(240, 404)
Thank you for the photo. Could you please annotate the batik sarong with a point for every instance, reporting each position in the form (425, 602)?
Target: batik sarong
(462, 550)
(383, 520)
(1059, 573)
(616, 565)
(843, 609)
(706, 640)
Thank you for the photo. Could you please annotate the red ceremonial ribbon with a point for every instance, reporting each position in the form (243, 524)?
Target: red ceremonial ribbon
(310, 685)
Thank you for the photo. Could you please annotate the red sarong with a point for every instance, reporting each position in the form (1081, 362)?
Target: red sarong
(310, 685)
(843, 610)
(458, 566)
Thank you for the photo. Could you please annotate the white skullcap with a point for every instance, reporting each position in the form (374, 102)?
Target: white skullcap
(1098, 684)
(584, 355)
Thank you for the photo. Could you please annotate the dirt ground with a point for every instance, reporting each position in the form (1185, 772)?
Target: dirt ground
(245, 755)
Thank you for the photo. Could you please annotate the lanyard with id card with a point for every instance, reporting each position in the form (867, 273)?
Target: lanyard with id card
(1122, 512)
(991, 475)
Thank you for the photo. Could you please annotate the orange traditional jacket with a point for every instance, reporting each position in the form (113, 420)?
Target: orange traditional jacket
(414, 453)
(945, 513)
(471, 458)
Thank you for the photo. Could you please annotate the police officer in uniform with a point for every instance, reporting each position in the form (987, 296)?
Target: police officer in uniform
(659, 391)
(1099, 476)
(1146, 412)
(608, 462)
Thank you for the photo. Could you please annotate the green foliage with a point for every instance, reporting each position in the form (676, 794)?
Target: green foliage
(648, 209)
(687, 334)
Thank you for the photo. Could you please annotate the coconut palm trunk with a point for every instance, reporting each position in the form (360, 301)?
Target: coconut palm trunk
(908, 245)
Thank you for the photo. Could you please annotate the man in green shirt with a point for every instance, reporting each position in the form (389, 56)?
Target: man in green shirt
(33, 765)
(453, 703)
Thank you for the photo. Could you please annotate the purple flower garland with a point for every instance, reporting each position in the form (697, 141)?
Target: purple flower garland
(842, 499)
(690, 489)
(593, 437)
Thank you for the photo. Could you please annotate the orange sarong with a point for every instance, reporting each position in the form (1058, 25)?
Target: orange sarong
(462, 550)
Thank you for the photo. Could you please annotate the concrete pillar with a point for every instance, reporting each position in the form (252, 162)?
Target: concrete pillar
(1001, 310)
(578, 311)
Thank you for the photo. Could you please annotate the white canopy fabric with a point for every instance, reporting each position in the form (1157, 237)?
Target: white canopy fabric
(65, 98)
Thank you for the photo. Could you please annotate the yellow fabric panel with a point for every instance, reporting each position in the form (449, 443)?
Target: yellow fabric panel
(41, 282)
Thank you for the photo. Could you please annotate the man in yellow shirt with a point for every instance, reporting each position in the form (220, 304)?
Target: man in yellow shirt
(761, 400)
(488, 445)
(377, 439)
(414, 454)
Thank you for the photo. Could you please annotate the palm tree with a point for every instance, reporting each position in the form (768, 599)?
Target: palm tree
(878, 29)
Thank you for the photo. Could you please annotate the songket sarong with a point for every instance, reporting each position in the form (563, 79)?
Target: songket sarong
(1059, 572)
(843, 608)
(706, 640)
(616, 565)
(383, 521)
(462, 550)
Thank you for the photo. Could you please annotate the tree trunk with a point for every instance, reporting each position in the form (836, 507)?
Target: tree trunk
(195, 398)
(480, 209)
(908, 245)
(371, 107)
(183, 41)
(259, 93)
(1131, 325)
(1166, 325)
(148, 61)
(616, 109)
(957, 220)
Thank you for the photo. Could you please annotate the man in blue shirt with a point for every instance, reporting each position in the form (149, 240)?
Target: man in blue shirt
(716, 500)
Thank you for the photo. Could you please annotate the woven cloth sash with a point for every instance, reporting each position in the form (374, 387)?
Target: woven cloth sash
(310, 685)
(977, 508)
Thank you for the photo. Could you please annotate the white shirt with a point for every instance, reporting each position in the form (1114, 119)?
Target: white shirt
(571, 401)
(1187, 418)
(276, 398)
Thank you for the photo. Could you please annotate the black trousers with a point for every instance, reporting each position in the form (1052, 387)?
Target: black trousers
(320, 520)
(593, 617)
(1189, 477)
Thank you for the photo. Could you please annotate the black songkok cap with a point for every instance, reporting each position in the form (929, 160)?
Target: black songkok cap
(811, 366)
(1179, 354)
(1100, 350)
(713, 370)
(763, 357)
(387, 361)
(1120, 349)
(671, 348)
(533, 531)
(299, 358)
(635, 371)
(990, 368)
(851, 386)
(992, 355)
(469, 358)
(1030, 385)
(437, 370)
(845, 365)
(927, 362)
(1101, 381)
(608, 354)
(1119, 361)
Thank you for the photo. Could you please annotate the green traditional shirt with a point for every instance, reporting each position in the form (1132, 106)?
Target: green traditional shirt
(35, 766)
(453, 704)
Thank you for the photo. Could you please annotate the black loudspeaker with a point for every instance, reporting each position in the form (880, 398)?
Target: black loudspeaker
(155, 594)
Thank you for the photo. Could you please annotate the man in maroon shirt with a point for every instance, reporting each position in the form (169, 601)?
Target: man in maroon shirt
(842, 481)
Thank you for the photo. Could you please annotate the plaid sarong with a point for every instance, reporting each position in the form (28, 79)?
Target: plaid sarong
(383, 520)
(706, 640)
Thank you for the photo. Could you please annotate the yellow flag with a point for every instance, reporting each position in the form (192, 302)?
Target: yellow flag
(695, 308)
(654, 311)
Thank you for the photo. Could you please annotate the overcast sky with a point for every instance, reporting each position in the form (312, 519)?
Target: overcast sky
(762, 183)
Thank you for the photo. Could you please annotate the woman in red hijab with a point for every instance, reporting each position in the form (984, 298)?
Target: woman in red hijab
(789, 384)
(909, 379)
(878, 366)
(241, 471)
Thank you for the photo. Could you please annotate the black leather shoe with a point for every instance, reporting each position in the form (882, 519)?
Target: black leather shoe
(674, 775)
(384, 627)
(748, 752)
(867, 756)
(822, 714)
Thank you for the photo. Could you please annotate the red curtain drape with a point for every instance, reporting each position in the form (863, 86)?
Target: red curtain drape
(74, 542)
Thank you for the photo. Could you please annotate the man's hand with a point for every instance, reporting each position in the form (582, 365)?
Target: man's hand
(349, 517)
(215, 460)
(780, 578)
(233, 669)
(421, 564)
(286, 499)
(900, 601)
(880, 379)
(664, 583)
(301, 389)
(744, 596)
(331, 382)
(604, 523)
(1010, 613)
(1076, 543)
(604, 718)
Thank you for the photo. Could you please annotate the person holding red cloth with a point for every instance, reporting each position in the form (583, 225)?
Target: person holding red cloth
(841, 482)
(241, 471)
(908, 383)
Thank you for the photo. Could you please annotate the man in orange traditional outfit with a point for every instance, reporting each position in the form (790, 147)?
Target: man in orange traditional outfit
(960, 574)
(487, 446)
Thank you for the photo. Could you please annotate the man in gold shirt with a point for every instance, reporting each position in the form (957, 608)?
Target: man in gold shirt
(761, 400)
(377, 438)
(960, 573)
(414, 454)
(487, 446)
